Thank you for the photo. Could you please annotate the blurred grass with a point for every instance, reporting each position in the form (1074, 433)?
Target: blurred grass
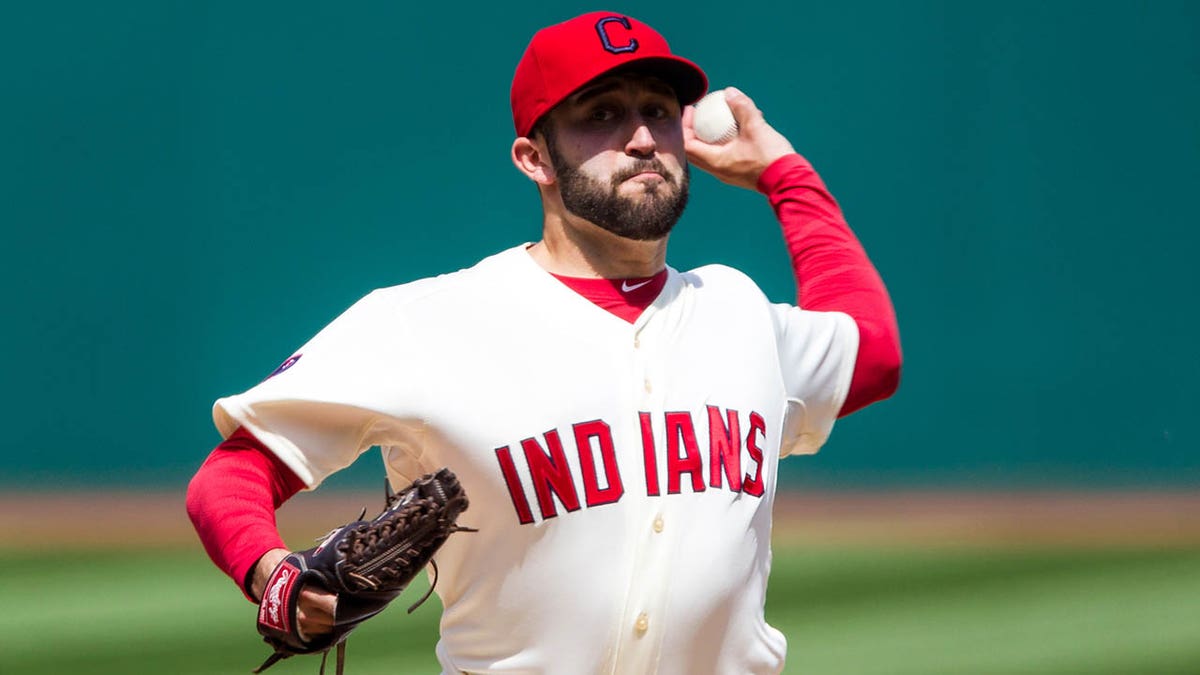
(845, 610)
(169, 611)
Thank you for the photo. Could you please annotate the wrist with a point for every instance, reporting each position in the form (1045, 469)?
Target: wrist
(262, 570)
(783, 171)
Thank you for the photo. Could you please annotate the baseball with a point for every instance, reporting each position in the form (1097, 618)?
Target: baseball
(713, 120)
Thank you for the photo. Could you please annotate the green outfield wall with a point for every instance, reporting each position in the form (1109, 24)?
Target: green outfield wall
(188, 191)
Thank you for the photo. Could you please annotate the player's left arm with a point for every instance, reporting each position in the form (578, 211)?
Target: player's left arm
(833, 272)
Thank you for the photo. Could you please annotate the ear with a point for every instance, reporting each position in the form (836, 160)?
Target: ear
(532, 159)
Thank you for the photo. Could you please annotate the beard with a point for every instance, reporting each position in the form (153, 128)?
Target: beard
(646, 219)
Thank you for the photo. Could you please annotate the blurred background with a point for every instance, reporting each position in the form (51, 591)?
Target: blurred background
(189, 191)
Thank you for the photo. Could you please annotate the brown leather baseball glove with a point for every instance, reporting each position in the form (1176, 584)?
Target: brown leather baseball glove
(365, 563)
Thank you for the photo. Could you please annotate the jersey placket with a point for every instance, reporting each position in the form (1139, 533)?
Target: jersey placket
(644, 618)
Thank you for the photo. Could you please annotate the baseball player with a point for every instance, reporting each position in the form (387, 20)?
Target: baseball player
(616, 423)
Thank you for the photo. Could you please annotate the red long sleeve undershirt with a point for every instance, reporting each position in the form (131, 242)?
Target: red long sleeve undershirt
(232, 500)
(833, 274)
(233, 496)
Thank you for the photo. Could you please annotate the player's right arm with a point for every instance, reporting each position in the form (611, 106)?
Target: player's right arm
(832, 270)
(231, 501)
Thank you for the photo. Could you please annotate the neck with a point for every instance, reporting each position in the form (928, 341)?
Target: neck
(578, 248)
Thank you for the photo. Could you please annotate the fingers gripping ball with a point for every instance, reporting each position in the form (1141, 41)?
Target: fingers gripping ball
(713, 120)
(366, 564)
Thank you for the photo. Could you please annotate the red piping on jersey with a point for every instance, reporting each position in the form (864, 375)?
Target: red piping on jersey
(834, 274)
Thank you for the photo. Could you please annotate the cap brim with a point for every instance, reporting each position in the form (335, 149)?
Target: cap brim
(685, 77)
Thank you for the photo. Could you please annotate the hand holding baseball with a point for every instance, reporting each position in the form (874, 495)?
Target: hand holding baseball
(738, 159)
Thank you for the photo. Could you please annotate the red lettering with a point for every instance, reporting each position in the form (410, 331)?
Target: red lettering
(515, 491)
(649, 455)
(551, 475)
(758, 427)
(724, 449)
(593, 493)
(681, 432)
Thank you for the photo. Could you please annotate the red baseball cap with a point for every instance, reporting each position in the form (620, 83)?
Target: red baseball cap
(562, 58)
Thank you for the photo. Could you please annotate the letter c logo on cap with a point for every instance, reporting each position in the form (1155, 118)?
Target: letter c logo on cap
(608, 45)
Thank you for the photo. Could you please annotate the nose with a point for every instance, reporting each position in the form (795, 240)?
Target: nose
(641, 143)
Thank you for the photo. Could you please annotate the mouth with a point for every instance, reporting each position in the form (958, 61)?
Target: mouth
(648, 176)
(646, 171)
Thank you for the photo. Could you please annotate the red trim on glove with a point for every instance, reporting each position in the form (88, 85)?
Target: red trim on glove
(232, 500)
(833, 274)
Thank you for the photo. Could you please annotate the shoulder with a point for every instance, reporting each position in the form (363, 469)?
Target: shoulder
(488, 274)
(722, 280)
(734, 293)
(385, 316)
(717, 271)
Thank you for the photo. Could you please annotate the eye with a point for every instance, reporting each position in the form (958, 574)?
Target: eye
(602, 114)
(658, 111)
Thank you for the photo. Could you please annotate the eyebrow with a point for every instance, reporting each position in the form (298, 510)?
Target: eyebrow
(596, 90)
(604, 87)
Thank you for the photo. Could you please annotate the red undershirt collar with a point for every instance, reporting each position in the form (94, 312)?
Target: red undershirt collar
(626, 298)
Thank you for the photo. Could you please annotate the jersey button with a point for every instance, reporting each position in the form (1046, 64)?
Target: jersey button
(642, 624)
(658, 523)
(646, 385)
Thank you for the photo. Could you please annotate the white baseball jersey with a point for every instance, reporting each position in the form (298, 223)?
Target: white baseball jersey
(621, 475)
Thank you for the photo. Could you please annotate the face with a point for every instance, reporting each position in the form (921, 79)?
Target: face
(617, 150)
